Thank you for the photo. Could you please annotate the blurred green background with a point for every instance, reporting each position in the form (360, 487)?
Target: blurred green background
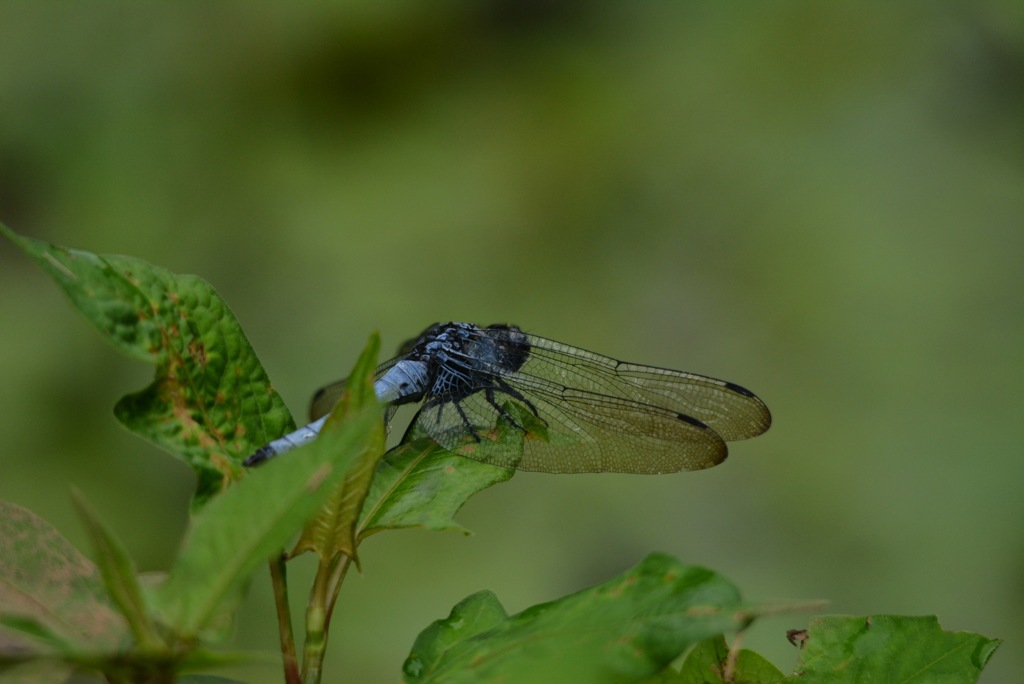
(823, 202)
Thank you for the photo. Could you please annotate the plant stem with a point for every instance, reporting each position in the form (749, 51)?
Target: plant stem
(322, 597)
(279, 580)
(316, 626)
(337, 577)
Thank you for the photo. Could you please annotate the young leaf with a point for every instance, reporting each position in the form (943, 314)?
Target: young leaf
(210, 403)
(46, 582)
(243, 527)
(119, 575)
(628, 628)
(332, 530)
(890, 648)
(420, 484)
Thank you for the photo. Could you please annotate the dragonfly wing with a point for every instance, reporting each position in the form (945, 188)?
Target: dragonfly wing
(590, 432)
(471, 428)
(556, 429)
(730, 410)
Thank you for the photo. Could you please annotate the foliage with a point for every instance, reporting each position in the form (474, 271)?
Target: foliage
(211, 404)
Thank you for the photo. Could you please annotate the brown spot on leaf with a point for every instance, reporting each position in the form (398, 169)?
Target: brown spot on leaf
(197, 350)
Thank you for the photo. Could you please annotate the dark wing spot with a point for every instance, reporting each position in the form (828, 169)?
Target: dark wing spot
(692, 421)
(739, 390)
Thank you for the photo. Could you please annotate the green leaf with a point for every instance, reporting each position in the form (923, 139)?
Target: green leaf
(473, 615)
(420, 484)
(119, 575)
(706, 663)
(243, 527)
(890, 648)
(210, 403)
(628, 628)
(332, 530)
(38, 633)
(47, 584)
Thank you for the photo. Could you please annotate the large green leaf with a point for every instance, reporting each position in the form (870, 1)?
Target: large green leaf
(49, 591)
(626, 629)
(890, 648)
(243, 527)
(473, 615)
(210, 402)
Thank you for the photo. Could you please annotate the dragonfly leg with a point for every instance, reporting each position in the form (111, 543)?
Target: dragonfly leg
(465, 420)
(515, 394)
(489, 393)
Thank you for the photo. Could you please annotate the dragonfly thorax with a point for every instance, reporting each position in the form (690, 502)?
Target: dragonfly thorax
(461, 358)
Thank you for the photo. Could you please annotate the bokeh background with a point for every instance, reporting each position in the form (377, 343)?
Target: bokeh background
(822, 202)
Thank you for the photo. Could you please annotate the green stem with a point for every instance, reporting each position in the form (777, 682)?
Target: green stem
(316, 626)
(336, 579)
(322, 597)
(279, 580)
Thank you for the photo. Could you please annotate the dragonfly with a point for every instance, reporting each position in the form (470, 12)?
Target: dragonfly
(577, 411)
